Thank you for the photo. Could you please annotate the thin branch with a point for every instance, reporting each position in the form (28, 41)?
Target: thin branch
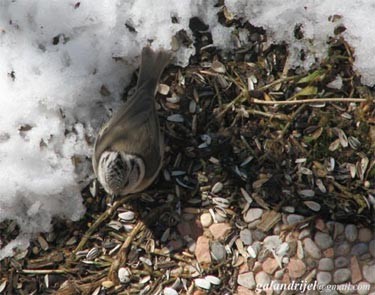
(310, 100)
(100, 220)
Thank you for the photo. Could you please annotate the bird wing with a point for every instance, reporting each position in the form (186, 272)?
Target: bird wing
(133, 129)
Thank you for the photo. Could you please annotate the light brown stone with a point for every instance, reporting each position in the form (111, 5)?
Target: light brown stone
(355, 269)
(296, 268)
(244, 291)
(329, 253)
(202, 250)
(320, 225)
(220, 230)
(270, 265)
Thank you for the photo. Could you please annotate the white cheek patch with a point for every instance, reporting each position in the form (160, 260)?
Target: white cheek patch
(120, 176)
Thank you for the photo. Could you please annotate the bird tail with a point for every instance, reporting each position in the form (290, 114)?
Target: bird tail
(153, 64)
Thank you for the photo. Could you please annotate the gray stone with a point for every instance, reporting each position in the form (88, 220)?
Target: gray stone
(253, 214)
(311, 248)
(365, 235)
(326, 264)
(324, 278)
(246, 237)
(371, 247)
(246, 280)
(359, 249)
(323, 240)
(369, 273)
(342, 249)
(262, 278)
(341, 275)
(341, 262)
(351, 232)
(218, 251)
(363, 288)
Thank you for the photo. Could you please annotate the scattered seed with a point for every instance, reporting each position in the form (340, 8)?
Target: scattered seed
(202, 283)
(127, 216)
(218, 186)
(169, 291)
(177, 118)
(163, 89)
(92, 254)
(314, 206)
(306, 193)
(218, 67)
(213, 280)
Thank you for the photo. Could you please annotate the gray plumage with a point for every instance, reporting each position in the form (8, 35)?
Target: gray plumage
(128, 151)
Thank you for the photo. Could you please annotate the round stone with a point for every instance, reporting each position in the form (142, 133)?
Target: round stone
(304, 234)
(311, 248)
(253, 214)
(341, 262)
(246, 236)
(359, 249)
(324, 278)
(365, 235)
(342, 249)
(246, 280)
(262, 278)
(369, 273)
(294, 218)
(206, 219)
(341, 275)
(326, 264)
(279, 274)
(296, 268)
(351, 232)
(371, 247)
(363, 288)
(218, 251)
(323, 240)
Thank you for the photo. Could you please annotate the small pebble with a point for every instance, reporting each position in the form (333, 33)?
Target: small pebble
(202, 250)
(304, 234)
(253, 214)
(279, 274)
(262, 278)
(326, 264)
(343, 249)
(341, 262)
(338, 229)
(296, 268)
(365, 235)
(206, 219)
(369, 273)
(351, 232)
(363, 288)
(311, 248)
(324, 278)
(359, 249)
(323, 240)
(294, 218)
(246, 280)
(218, 251)
(371, 247)
(220, 230)
(246, 236)
(341, 275)
(355, 268)
(270, 265)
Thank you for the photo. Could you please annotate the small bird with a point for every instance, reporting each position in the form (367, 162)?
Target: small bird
(128, 151)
